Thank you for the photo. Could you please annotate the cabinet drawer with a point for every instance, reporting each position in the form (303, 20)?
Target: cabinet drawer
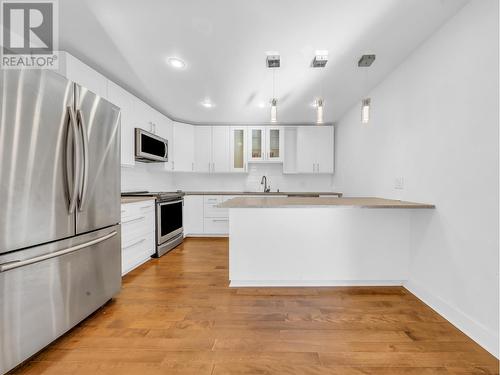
(136, 227)
(137, 209)
(210, 208)
(137, 252)
(216, 225)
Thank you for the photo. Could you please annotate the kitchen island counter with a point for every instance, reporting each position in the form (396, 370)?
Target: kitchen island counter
(294, 202)
(324, 241)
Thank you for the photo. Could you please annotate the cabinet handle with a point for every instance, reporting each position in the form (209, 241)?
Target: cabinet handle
(220, 220)
(317, 167)
(173, 165)
(134, 244)
(192, 166)
(209, 166)
(213, 167)
(144, 207)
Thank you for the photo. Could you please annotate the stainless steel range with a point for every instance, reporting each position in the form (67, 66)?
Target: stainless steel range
(169, 229)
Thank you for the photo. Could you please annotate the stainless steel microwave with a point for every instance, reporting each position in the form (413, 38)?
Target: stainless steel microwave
(149, 147)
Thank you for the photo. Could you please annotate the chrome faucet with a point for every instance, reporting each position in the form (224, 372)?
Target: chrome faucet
(263, 181)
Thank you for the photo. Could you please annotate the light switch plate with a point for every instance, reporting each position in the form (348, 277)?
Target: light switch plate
(399, 183)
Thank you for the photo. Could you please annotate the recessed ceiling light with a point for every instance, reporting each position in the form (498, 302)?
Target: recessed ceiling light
(207, 103)
(176, 63)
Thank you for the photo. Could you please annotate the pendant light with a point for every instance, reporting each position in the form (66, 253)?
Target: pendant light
(319, 112)
(274, 104)
(319, 61)
(365, 110)
(365, 62)
(274, 110)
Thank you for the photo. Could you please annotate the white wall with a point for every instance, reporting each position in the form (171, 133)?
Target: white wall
(435, 123)
(251, 181)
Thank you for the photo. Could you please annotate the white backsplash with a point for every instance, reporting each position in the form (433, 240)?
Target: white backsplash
(251, 181)
(152, 177)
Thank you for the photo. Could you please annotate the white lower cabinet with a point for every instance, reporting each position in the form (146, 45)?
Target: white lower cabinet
(202, 217)
(138, 233)
(193, 214)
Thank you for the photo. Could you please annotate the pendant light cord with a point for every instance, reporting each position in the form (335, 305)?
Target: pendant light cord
(274, 78)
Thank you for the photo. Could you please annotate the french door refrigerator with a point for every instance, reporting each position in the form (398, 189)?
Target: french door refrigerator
(60, 254)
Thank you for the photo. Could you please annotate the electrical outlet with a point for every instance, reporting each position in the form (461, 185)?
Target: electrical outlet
(399, 183)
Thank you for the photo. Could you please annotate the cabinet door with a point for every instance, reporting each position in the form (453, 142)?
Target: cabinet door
(164, 129)
(306, 149)
(144, 116)
(238, 149)
(220, 149)
(202, 149)
(193, 214)
(76, 71)
(324, 149)
(183, 147)
(256, 144)
(125, 101)
(274, 144)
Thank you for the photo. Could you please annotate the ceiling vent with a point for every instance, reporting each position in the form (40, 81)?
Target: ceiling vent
(273, 60)
(320, 59)
(366, 60)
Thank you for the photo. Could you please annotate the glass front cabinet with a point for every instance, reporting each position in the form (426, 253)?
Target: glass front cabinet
(238, 149)
(265, 143)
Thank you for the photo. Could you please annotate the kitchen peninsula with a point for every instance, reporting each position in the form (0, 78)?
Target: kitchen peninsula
(323, 241)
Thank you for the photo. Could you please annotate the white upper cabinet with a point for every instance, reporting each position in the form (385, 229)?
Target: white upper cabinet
(238, 150)
(203, 149)
(314, 150)
(324, 149)
(183, 160)
(76, 71)
(220, 149)
(164, 128)
(274, 143)
(211, 145)
(125, 101)
(256, 144)
(265, 144)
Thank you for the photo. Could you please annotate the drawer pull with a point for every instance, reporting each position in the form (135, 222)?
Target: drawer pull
(132, 220)
(134, 244)
(220, 220)
(144, 207)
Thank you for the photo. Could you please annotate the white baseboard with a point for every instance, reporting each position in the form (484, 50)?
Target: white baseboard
(312, 283)
(473, 329)
(206, 235)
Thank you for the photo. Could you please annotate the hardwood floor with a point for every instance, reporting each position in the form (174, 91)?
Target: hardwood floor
(176, 315)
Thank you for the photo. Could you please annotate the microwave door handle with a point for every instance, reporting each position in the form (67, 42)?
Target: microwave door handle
(166, 151)
(85, 175)
(72, 157)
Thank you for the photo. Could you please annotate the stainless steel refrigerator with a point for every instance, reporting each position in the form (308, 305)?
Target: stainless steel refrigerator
(60, 254)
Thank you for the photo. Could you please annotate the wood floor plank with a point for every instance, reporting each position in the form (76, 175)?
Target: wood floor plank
(176, 315)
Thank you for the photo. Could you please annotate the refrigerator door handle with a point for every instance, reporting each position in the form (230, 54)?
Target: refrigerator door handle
(72, 148)
(82, 199)
(21, 263)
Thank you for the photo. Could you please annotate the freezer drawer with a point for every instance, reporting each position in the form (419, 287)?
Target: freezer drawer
(45, 294)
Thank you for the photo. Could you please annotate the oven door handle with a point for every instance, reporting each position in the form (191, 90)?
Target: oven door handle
(167, 203)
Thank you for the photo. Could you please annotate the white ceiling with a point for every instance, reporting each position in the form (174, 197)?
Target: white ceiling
(224, 44)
